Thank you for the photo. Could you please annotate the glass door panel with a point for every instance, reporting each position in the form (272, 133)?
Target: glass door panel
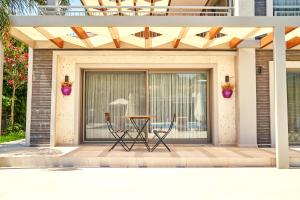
(293, 92)
(184, 94)
(119, 93)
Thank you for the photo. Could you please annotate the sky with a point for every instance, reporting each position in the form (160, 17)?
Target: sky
(75, 3)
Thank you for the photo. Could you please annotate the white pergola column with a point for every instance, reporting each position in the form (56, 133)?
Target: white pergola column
(244, 7)
(246, 97)
(280, 104)
(1, 80)
(29, 95)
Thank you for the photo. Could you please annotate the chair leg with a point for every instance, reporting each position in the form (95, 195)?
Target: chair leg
(160, 140)
(119, 141)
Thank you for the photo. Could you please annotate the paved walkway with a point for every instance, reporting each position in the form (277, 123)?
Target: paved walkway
(150, 184)
(18, 155)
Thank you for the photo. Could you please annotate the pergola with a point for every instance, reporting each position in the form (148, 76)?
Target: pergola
(172, 32)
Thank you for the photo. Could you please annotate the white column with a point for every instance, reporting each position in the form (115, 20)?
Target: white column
(29, 95)
(280, 104)
(246, 98)
(269, 7)
(244, 7)
(1, 79)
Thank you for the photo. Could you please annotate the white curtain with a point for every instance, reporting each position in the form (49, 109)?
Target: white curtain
(119, 93)
(184, 94)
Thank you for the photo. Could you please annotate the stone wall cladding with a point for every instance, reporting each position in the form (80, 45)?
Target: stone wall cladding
(263, 57)
(41, 97)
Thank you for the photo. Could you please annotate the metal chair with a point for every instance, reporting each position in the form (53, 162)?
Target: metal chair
(164, 134)
(117, 134)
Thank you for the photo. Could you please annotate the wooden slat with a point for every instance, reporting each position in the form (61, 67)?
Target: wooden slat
(268, 39)
(147, 33)
(115, 36)
(293, 42)
(55, 40)
(80, 32)
(147, 37)
(181, 35)
(152, 4)
(100, 2)
(234, 42)
(118, 2)
(213, 32)
(135, 9)
(58, 42)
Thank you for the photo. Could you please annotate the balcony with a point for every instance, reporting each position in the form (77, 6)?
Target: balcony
(120, 11)
(286, 10)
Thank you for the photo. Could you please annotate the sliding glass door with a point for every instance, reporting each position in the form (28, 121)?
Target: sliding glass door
(184, 94)
(119, 93)
(157, 94)
(293, 90)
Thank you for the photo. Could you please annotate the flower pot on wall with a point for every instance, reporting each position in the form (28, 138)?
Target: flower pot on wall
(227, 93)
(227, 88)
(66, 87)
(66, 90)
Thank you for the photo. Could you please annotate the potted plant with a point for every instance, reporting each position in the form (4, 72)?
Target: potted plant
(66, 87)
(227, 90)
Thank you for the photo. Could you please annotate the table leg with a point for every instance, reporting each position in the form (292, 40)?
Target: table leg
(140, 131)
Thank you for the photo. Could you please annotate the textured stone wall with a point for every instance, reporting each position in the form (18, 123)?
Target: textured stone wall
(41, 97)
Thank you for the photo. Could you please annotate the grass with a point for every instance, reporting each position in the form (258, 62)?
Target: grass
(11, 137)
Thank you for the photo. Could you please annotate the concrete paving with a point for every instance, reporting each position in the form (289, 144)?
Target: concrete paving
(150, 184)
(16, 154)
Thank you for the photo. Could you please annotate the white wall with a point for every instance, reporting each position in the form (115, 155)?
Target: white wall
(65, 119)
(244, 7)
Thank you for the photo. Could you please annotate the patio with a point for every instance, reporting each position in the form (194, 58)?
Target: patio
(17, 155)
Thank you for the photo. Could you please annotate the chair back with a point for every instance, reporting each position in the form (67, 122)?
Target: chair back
(172, 123)
(108, 122)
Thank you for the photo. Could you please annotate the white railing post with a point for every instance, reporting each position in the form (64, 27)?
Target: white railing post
(29, 95)
(280, 90)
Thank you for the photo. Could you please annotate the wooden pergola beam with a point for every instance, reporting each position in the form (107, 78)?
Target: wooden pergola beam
(268, 39)
(213, 32)
(147, 37)
(80, 32)
(181, 35)
(115, 36)
(55, 40)
(293, 42)
(234, 42)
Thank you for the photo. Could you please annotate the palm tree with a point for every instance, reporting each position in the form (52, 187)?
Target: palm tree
(17, 6)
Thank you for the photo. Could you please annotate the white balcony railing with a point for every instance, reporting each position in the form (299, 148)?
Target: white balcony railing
(129, 11)
(286, 10)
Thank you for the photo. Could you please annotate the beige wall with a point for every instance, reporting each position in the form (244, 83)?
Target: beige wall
(66, 109)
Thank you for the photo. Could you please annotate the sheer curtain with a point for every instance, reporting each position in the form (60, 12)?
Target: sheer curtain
(119, 93)
(293, 85)
(184, 94)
